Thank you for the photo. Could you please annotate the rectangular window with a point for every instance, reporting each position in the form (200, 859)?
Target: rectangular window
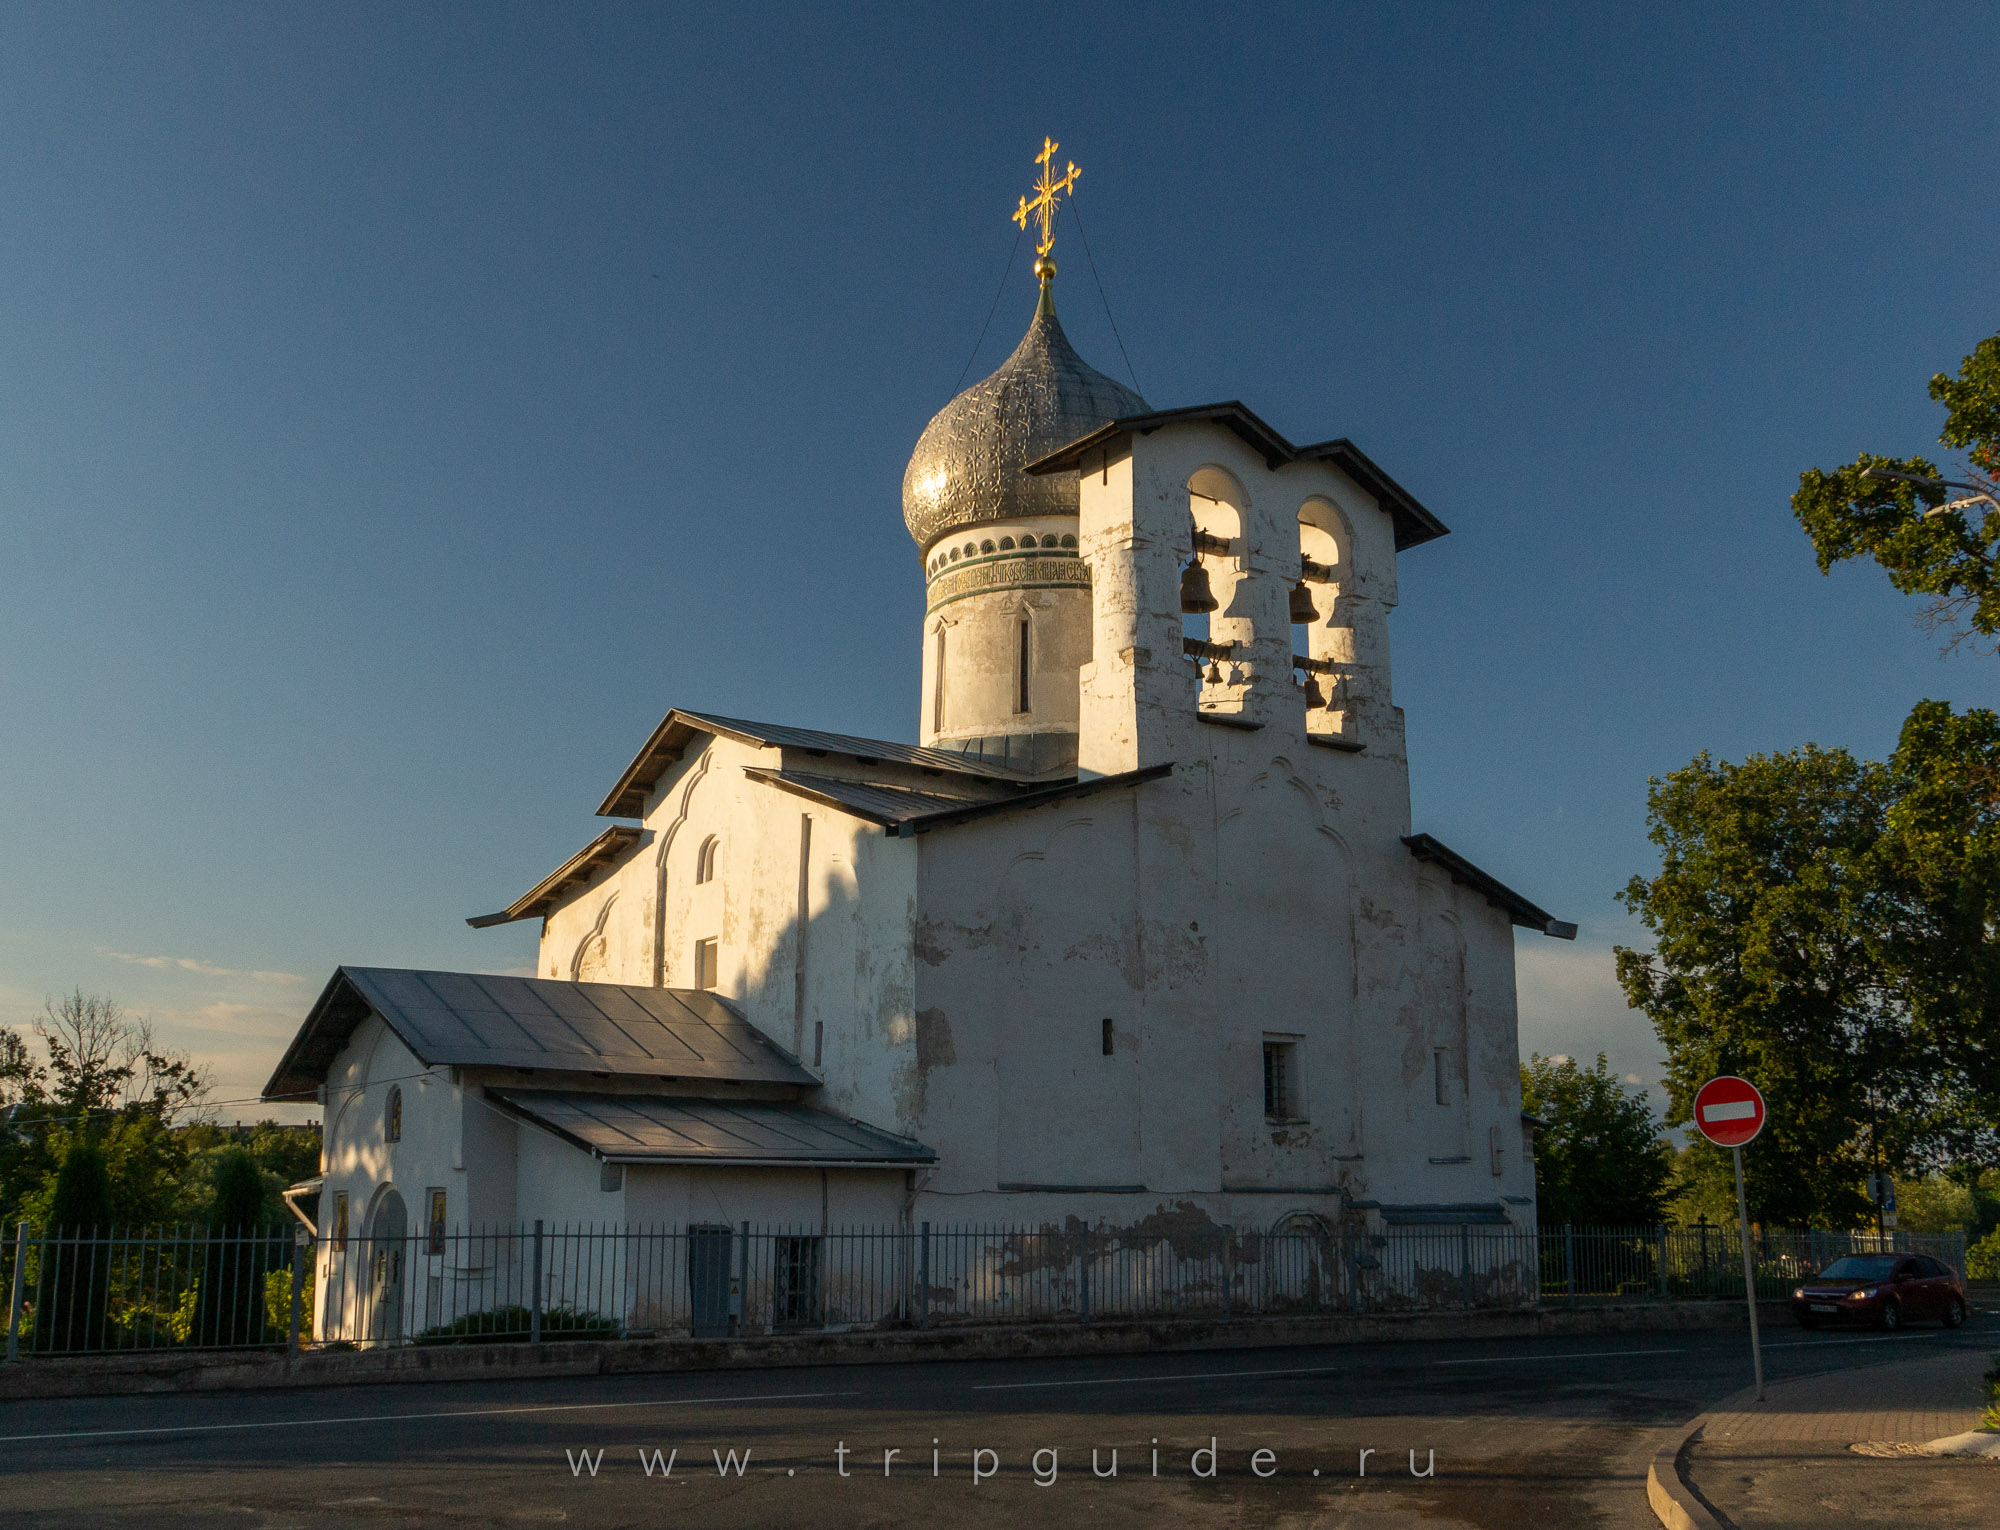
(611, 1176)
(434, 1240)
(937, 685)
(819, 1041)
(1284, 1098)
(1022, 670)
(704, 964)
(1107, 1037)
(1440, 1079)
(340, 1220)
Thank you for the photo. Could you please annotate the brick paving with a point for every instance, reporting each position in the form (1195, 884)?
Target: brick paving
(1786, 1463)
(1905, 1402)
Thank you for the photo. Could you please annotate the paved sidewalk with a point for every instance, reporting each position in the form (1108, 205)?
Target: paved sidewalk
(1785, 1462)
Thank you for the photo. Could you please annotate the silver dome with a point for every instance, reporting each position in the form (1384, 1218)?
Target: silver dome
(966, 470)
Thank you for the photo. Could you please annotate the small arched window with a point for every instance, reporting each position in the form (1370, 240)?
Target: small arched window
(704, 861)
(393, 1117)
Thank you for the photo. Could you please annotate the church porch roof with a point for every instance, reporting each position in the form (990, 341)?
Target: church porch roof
(904, 812)
(478, 1019)
(670, 1129)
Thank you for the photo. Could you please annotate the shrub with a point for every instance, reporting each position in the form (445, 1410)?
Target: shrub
(1982, 1260)
(509, 1325)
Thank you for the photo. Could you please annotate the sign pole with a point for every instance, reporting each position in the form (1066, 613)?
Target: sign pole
(1749, 1272)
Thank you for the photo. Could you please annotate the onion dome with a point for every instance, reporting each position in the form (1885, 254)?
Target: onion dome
(967, 468)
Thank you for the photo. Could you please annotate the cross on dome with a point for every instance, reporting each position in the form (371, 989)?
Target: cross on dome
(1048, 188)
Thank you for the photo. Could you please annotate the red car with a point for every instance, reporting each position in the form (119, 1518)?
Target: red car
(1887, 1290)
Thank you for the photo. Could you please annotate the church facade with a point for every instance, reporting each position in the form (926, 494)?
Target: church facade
(1139, 926)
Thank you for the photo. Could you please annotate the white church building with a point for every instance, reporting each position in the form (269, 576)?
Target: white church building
(1138, 927)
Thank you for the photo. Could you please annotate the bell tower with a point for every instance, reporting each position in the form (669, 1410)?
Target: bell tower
(1007, 622)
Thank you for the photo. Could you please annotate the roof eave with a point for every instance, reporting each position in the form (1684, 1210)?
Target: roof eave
(1519, 910)
(1414, 523)
(579, 867)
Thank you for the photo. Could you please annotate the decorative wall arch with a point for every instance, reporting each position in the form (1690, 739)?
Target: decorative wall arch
(590, 951)
(667, 838)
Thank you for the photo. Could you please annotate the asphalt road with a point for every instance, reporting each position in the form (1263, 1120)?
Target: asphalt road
(1549, 1433)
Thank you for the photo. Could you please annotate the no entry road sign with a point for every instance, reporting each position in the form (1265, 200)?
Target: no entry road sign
(1729, 1111)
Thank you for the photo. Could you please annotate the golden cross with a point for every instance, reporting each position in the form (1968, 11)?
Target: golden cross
(1043, 208)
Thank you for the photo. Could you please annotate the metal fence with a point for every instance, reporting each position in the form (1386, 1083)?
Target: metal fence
(74, 1293)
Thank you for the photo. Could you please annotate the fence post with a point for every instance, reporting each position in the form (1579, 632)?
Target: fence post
(924, 1279)
(1228, 1271)
(1464, 1265)
(1083, 1276)
(298, 1286)
(1663, 1262)
(535, 1302)
(1569, 1262)
(742, 1313)
(20, 1279)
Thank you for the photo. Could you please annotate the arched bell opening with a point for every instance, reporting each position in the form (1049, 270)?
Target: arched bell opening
(1322, 601)
(1210, 571)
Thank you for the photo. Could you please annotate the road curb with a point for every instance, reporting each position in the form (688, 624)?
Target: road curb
(1672, 1499)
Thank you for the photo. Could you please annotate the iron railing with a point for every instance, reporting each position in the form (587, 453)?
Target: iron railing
(128, 1289)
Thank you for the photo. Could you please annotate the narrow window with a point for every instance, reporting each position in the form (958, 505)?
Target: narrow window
(611, 1176)
(704, 964)
(1021, 668)
(340, 1220)
(434, 1242)
(819, 1041)
(1107, 1036)
(1282, 1095)
(1439, 1080)
(393, 1119)
(937, 685)
(704, 861)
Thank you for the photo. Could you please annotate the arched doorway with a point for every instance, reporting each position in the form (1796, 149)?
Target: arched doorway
(388, 1235)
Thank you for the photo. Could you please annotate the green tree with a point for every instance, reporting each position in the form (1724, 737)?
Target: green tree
(1945, 554)
(1767, 914)
(241, 1250)
(1601, 1158)
(74, 1293)
(1941, 855)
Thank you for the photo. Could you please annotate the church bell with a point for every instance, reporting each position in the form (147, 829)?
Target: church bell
(1303, 610)
(1196, 597)
(1315, 697)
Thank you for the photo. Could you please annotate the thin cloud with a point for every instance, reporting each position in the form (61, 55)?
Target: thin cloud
(206, 969)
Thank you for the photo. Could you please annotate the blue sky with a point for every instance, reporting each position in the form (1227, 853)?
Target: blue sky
(402, 407)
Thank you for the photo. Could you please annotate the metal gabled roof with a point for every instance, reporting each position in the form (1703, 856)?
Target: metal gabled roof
(477, 1019)
(907, 813)
(602, 851)
(1414, 524)
(661, 1128)
(628, 798)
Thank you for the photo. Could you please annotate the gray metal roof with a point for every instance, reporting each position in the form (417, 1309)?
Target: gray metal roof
(905, 813)
(657, 1128)
(678, 728)
(476, 1019)
(885, 805)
